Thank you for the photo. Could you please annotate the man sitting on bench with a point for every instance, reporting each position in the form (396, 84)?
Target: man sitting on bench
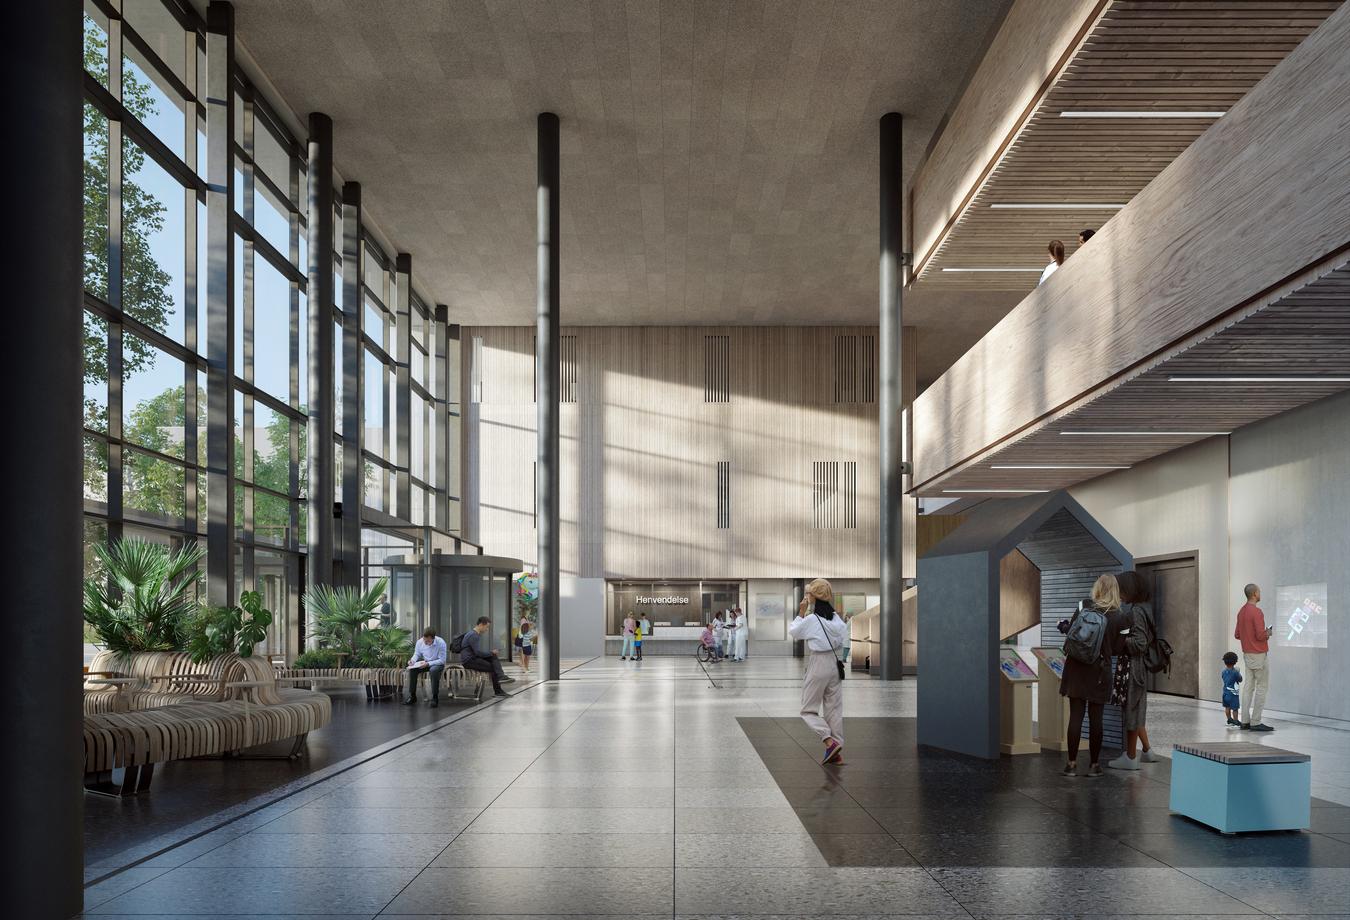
(474, 659)
(428, 657)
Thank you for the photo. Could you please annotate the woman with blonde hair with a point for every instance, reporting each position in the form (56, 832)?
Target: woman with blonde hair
(1088, 684)
(824, 631)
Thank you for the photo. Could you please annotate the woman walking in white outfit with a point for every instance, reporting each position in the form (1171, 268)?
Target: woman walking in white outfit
(742, 634)
(824, 632)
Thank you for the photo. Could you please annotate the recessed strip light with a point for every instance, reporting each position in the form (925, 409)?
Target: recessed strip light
(1230, 379)
(1139, 113)
(1058, 466)
(1042, 268)
(1144, 434)
(1056, 207)
(994, 491)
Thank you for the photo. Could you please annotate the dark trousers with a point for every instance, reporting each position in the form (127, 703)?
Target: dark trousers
(415, 674)
(487, 666)
(1077, 708)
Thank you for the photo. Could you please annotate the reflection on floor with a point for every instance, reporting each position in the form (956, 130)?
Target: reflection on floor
(651, 790)
(189, 792)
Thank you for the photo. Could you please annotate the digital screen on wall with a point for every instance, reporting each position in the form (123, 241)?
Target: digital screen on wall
(1301, 615)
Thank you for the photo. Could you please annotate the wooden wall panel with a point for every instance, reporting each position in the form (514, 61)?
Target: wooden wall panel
(641, 446)
(1029, 50)
(1019, 606)
(1261, 195)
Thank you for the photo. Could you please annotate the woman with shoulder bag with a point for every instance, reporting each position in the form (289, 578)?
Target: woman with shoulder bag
(823, 630)
(1088, 685)
(1135, 597)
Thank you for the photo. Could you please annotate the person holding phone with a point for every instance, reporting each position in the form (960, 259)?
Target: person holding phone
(1254, 634)
(823, 630)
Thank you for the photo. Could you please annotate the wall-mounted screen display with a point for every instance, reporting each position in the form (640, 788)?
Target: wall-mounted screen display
(1301, 615)
(1013, 666)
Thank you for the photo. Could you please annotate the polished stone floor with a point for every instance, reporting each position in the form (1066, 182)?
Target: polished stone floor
(655, 790)
(188, 796)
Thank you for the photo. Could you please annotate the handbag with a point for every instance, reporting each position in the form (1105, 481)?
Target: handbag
(837, 663)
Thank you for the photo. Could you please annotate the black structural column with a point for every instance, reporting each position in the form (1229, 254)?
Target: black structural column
(219, 302)
(402, 445)
(546, 373)
(43, 875)
(322, 385)
(892, 424)
(353, 356)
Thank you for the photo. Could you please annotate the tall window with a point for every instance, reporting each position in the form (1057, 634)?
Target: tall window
(145, 321)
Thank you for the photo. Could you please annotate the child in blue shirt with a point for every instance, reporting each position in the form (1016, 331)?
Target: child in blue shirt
(1231, 678)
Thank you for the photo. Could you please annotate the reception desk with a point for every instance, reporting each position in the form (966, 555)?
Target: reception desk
(664, 640)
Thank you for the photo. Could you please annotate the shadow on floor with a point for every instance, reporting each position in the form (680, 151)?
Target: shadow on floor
(895, 804)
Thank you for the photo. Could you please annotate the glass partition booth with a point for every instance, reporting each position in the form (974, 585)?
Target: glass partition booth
(450, 592)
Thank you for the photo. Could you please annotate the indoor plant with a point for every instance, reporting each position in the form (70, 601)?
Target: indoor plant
(145, 598)
(342, 614)
(237, 628)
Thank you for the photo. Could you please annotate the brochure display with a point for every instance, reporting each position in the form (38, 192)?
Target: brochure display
(1015, 689)
(1053, 725)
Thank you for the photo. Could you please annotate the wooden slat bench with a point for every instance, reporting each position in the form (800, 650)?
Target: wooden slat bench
(371, 678)
(243, 711)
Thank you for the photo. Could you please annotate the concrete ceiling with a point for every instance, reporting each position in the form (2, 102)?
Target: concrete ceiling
(719, 158)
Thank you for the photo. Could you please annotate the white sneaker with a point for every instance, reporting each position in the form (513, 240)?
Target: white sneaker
(1124, 762)
(1148, 757)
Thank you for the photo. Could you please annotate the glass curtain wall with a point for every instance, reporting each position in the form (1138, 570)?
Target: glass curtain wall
(145, 234)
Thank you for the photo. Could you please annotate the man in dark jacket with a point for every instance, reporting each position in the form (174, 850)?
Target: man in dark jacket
(474, 658)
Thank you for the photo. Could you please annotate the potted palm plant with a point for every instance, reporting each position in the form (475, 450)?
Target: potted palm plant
(221, 630)
(342, 614)
(145, 598)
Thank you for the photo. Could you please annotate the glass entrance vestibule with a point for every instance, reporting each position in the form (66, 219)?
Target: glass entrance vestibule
(450, 593)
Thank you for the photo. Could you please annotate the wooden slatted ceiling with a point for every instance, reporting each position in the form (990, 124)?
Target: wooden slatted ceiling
(1306, 332)
(1188, 55)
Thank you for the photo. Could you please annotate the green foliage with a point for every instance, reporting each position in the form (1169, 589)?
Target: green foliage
(220, 630)
(317, 658)
(342, 614)
(384, 647)
(145, 601)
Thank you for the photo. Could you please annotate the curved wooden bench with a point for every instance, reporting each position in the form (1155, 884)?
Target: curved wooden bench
(246, 710)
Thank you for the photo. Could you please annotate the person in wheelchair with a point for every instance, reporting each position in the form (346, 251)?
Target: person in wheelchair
(708, 650)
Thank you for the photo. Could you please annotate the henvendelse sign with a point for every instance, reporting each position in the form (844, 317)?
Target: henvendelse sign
(664, 599)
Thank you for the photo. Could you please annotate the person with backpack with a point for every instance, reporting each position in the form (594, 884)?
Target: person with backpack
(474, 658)
(1088, 645)
(1141, 639)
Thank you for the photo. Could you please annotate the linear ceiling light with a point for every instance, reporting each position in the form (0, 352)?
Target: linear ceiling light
(994, 491)
(1133, 434)
(1058, 466)
(1139, 113)
(1056, 207)
(1042, 268)
(1235, 379)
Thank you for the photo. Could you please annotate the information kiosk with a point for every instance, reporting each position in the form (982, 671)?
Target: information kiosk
(1015, 703)
(1052, 727)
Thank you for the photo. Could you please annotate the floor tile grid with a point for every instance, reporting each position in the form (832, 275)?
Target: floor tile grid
(107, 886)
(577, 718)
(937, 881)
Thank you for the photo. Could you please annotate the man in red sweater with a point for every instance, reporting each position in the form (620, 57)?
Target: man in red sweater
(1252, 632)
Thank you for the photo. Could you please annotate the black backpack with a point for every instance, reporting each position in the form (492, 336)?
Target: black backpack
(457, 644)
(1086, 636)
(1158, 654)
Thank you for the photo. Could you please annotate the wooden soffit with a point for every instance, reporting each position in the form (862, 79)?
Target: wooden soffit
(1010, 142)
(1233, 263)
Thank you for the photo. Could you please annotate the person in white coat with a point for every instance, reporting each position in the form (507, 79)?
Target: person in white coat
(742, 633)
(718, 627)
(728, 635)
(1056, 250)
(824, 631)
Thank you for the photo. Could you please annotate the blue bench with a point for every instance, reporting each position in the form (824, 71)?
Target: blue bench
(1238, 786)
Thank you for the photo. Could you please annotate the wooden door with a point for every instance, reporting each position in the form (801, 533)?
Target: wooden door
(1176, 605)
